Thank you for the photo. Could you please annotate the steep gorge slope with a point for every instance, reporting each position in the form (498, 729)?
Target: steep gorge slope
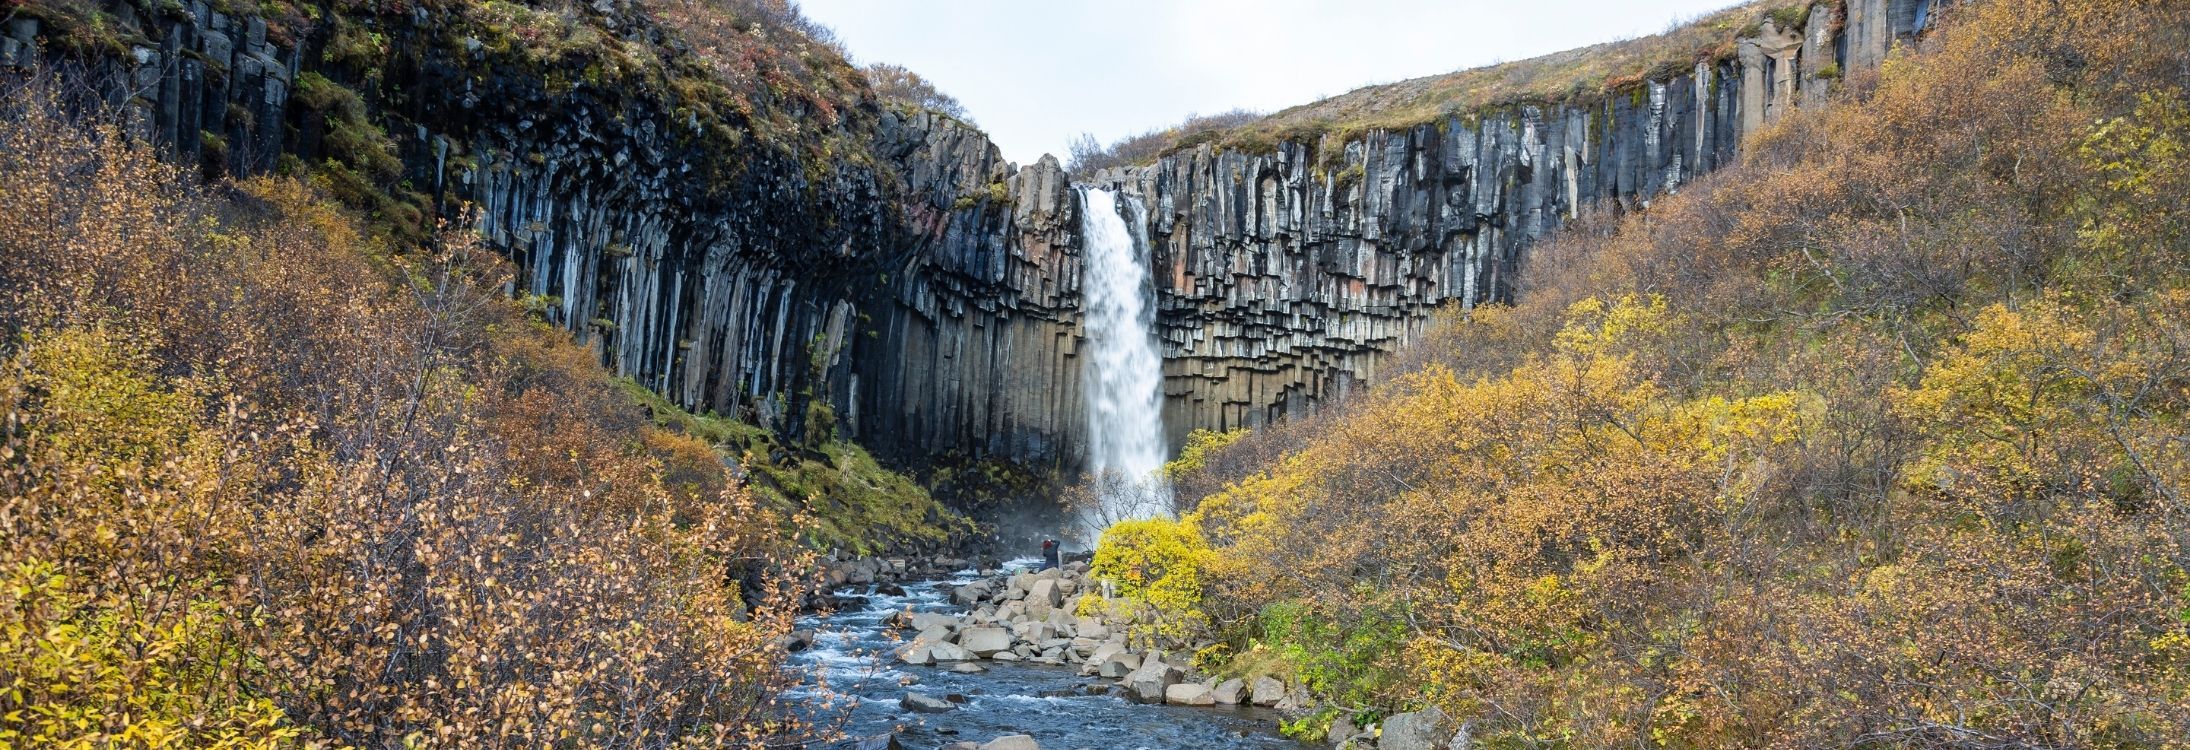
(715, 204)
(1873, 439)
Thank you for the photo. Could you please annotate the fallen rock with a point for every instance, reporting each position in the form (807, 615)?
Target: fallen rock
(1188, 694)
(985, 642)
(949, 652)
(924, 704)
(876, 742)
(796, 640)
(1119, 665)
(1268, 691)
(1427, 729)
(1147, 684)
(1043, 596)
(1229, 692)
(1012, 742)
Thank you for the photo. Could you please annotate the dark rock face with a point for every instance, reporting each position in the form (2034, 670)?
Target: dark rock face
(927, 291)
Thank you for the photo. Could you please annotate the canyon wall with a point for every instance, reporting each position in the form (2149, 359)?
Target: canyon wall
(924, 290)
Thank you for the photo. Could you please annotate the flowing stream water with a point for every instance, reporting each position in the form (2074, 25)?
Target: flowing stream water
(853, 649)
(1123, 375)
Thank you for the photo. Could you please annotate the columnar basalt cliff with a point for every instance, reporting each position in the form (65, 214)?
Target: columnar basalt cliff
(888, 269)
(1285, 276)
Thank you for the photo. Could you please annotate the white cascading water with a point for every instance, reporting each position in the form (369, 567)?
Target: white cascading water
(1123, 373)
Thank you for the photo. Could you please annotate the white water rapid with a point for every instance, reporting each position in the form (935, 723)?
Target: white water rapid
(1123, 373)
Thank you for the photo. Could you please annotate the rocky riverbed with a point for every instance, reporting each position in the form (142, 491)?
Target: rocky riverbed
(988, 673)
(1008, 658)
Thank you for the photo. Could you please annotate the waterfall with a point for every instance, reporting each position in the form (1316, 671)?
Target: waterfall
(1122, 372)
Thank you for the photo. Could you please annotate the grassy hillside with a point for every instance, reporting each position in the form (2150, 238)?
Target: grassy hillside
(1875, 440)
(267, 479)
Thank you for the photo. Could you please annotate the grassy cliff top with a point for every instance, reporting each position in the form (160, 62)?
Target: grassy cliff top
(1572, 75)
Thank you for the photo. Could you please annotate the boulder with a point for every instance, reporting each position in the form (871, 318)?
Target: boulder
(876, 742)
(1006, 656)
(796, 640)
(1091, 628)
(1427, 729)
(1012, 742)
(1268, 691)
(967, 667)
(926, 621)
(924, 704)
(985, 642)
(1118, 665)
(1043, 596)
(1188, 694)
(949, 652)
(1147, 684)
(1229, 692)
(1342, 729)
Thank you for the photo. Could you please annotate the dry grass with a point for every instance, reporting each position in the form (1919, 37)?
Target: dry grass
(1573, 75)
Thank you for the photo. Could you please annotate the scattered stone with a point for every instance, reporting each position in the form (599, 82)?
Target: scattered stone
(1188, 694)
(949, 652)
(1147, 684)
(1427, 729)
(967, 667)
(1043, 597)
(924, 704)
(796, 640)
(876, 742)
(1342, 729)
(986, 641)
(1118, 665)
(1012, 742)
(1229, 692)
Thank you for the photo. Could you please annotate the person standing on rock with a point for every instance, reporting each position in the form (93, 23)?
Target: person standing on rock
(1050, 553)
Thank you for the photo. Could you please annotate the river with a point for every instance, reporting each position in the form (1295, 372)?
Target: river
(852, 654)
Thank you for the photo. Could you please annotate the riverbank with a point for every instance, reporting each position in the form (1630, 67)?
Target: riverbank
(858, 655)
(964, 660)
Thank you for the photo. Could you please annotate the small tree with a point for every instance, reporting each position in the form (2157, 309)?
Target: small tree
(897, 84)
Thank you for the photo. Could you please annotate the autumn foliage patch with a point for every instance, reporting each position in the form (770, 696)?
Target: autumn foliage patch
(268, 480)
(1875, 440)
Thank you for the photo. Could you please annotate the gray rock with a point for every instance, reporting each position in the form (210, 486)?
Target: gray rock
(919, 703)
(1148, 684)
(1189, 694)
(949, 652)
(1427, 729)
(1229, 692)
(985, 642)
(1268, 691)
(1043, 596)
(1012, 742)
(1118, 665)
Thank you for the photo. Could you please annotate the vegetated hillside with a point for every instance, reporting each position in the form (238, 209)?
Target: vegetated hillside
(487, 114)
(1876, 439)
(271, 479)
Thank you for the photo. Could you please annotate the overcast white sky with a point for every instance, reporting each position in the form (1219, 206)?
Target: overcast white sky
(1034, 73)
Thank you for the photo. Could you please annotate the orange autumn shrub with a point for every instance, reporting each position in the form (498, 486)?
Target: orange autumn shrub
(269, 480)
